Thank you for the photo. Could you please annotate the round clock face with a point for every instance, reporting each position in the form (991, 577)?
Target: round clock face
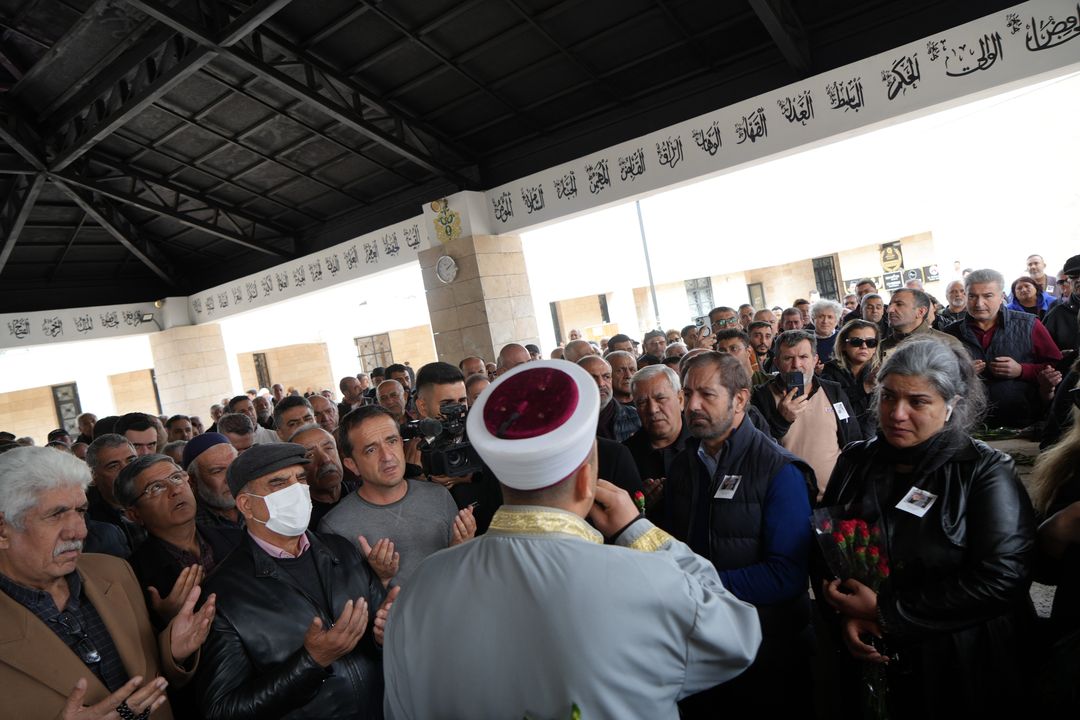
(446, 269)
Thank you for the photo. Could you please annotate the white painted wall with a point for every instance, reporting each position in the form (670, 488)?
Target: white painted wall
(993, 181)
(88, 363)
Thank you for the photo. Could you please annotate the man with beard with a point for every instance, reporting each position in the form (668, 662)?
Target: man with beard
(761, 339)
(324, 476)
(352, 394)
(623, 366)
(207, 459)
(264, 412)
(616, 421)
(956, 296)
(738, 499)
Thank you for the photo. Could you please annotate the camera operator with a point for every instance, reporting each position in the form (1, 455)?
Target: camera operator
(441, 396)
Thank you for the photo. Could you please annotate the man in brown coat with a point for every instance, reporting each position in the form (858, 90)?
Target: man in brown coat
(75, 637)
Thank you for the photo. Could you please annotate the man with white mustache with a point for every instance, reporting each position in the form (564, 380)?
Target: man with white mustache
(71, 624)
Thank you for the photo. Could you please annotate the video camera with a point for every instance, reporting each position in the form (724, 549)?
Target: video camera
(439, 454)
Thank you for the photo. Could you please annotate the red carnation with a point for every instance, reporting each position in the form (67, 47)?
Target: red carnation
(875, 552)
(839, 538)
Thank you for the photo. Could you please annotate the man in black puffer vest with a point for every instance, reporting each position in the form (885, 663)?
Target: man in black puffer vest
(1013, 352)
(742, 501)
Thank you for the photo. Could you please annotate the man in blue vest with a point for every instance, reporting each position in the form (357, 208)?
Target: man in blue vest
(1014, 354)
(743, 501)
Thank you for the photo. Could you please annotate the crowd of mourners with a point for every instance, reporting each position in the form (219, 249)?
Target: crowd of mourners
(308, 557)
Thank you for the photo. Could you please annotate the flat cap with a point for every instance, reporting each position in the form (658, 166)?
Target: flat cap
(1072, 265)
(261, 460)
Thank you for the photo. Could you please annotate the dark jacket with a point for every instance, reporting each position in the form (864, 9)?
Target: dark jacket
(956, 605)
(856, 393)
(156, 567)
(734, 532)
(1013, 401)
(106, 539)
(847, 430)
(616, 465)
(254, 665)
(1061, 323)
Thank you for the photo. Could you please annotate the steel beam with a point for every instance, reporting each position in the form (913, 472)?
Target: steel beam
(99, 188)
(156, 76)
(786, 30)
(105, 214)
(20, 137)
(300, 90)
(67, 247)
(173, 187)
(133, 89)
(16, 210)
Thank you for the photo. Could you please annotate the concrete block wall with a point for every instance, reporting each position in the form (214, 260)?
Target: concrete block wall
(414, 345)
(134, 392)
(29, 413)
(191, 370)
(305, 367)
(489, 303)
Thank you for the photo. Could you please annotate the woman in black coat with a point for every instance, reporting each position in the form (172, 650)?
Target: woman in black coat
(954, 613)
(854, 365)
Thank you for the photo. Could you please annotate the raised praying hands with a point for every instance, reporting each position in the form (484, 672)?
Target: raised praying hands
(168, 607)
(382, 558)
(189, 629)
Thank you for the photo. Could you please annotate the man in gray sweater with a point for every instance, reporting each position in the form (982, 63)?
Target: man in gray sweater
(394, 521)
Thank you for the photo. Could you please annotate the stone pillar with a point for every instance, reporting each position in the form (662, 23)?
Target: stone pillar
(191, 370)
(488, 304)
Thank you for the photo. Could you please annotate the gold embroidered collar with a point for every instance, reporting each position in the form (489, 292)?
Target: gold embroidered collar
(533, 520)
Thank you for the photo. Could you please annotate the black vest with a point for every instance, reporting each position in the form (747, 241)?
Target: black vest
(1013, 401)
(734, 529)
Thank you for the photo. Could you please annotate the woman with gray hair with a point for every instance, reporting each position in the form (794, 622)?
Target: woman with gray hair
(951, 617)
(825, 316)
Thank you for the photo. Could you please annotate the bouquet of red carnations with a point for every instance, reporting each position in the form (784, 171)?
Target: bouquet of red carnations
(854, 548)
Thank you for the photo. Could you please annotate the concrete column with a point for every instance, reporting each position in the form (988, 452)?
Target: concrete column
(191, 369)
(488, 304)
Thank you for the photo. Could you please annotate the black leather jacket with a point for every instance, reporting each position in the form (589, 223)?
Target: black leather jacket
(254, 664)
(956, 605)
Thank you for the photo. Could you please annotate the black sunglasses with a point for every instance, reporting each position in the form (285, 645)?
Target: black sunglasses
(859, 342)
(83, 645)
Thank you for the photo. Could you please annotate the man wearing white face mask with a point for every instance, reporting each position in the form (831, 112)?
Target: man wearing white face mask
(294, 638)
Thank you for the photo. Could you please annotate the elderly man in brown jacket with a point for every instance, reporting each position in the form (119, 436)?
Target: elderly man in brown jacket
(75, 637)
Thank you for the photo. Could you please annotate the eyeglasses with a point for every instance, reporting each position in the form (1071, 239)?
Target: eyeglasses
(84, 647)
(859, 342)
(725, 322)
(157, 487)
